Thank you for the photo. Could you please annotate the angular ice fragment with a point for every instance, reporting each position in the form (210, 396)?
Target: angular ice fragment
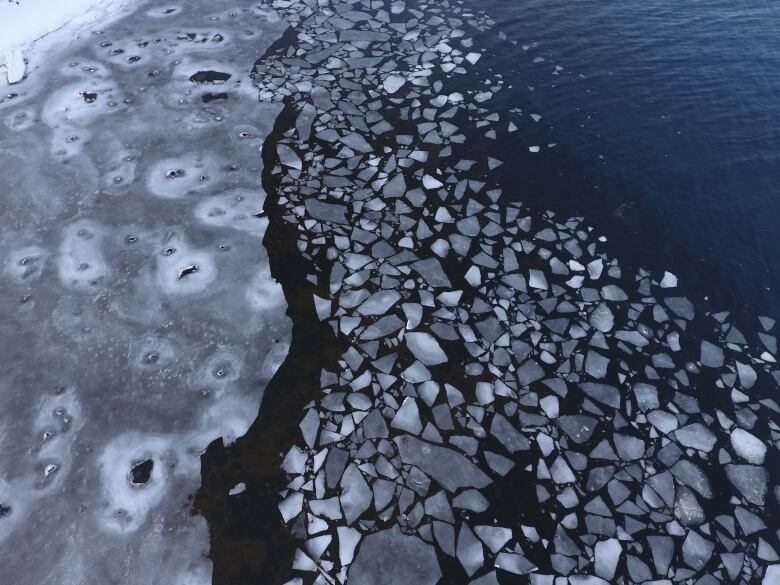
(604, 393)
(425, 348)
(607, 554)
(629, 448)
(469, 551)
(408, 417)
(750, 480)
(237, 489)
(495, 537)
(697, 550)
(697, 436)
(348, 540)
(288, 157)
(514, 563)
(669, 280)
(355, 494)
(748, 446)
(430, 182)
(393, 83)
(448, 467)
(711, 355)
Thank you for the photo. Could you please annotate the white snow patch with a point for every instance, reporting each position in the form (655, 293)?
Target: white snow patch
(34, 28)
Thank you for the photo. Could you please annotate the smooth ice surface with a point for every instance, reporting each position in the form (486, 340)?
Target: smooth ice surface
(139, 318)
(392, 558)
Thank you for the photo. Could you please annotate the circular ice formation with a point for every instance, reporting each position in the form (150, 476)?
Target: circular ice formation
(152, 353)
(128, 502)
(80, 263)
(26, 264)
(120, 173)
(238, 209)
(82, 102)
(178, 176)
(222, 368)
(185, 271)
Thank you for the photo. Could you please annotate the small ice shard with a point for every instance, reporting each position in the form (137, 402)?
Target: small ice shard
(14, 65)
(425, 348)
(604, 393)
(379, 303)
(430, 182)
(579, 428)
(537, 280)
(533, 149)
(669, 280)
(747, 446)
(348, 540)
(237, 489)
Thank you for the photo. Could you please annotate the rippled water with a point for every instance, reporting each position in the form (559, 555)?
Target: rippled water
(667, 126)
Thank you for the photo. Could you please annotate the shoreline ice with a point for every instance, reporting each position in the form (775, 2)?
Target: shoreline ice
(32, 30)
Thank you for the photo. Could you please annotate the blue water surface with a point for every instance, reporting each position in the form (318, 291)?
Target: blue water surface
(666, 120)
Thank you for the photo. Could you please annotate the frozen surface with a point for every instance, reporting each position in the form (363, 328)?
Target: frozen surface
(139, 320)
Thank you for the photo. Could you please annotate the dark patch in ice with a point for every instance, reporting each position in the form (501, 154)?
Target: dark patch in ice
(142, 472)
(214, 77)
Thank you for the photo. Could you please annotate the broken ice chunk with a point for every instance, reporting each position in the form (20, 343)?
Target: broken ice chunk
(448, 467)
(747, 446)
(425, 348)
(408, 417)
(469, 551)
(750, 480)
(697, 436)
(288, 157)
(607, 554)
(390, 557)
(393, 83)
(669, 280)
(355, 494)
(711, 355)
(15, 66)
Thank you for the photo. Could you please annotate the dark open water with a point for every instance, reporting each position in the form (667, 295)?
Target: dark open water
(666, 116)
